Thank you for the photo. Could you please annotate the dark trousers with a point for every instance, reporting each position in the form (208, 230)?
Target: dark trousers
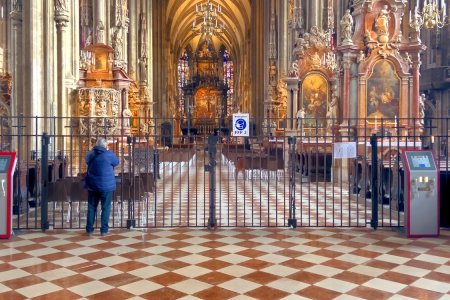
(93, 199)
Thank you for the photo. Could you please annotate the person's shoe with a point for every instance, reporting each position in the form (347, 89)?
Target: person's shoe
(103, 233)
(89, 233)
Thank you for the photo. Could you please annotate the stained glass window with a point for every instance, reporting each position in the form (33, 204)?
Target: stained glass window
(228, 78)
(183, 76)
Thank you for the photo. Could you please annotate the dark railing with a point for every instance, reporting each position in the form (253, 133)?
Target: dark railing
(260, 180)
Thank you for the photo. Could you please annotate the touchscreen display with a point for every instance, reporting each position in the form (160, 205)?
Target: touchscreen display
(4, 162)
(420, 160)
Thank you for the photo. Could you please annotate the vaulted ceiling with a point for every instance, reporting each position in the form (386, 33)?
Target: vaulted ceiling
(236, 15)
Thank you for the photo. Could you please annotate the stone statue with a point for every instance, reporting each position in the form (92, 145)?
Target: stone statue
(88, 38)
(346, 28)
(61, 5)
(100, 32)
(422, 99)
(382, 24)
(415, 24)
(361, 57)
(126, 114)
(333, 107)
(117, 43)
(143, 69)
(300, 116)
(17, 5)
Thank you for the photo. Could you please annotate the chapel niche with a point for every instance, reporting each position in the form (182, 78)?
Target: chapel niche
(387, 63)
(316, 72)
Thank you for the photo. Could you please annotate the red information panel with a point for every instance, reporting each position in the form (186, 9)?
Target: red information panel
(7, 168)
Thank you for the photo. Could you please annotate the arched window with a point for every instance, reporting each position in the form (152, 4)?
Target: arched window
(228, 78)
(183, 76)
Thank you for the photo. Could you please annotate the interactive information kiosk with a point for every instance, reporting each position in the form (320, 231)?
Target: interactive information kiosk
(7, 167)
(422, 193)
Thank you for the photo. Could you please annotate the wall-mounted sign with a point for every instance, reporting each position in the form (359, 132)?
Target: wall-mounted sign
(344, 150)
(241, 124)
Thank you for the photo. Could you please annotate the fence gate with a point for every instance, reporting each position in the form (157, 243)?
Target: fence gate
(210, 180)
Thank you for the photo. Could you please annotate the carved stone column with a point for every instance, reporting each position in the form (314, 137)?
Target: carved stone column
(99, 21)
(346, 64)
(17, 58)
(62, 21)
(415, 70)
(283, 37)
(133, 39)
(292, 106)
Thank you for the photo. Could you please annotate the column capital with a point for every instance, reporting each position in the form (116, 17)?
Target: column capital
(62, 15)
(292, 83)
(17, 17)
(62, 19)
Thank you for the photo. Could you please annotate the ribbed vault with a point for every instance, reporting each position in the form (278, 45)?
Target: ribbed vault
(235, 15)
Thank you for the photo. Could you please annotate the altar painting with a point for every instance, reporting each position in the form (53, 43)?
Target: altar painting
(383, 93)
(315, 96)
(206, 105)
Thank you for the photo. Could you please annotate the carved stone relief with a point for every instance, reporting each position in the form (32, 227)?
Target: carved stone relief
(102, 106)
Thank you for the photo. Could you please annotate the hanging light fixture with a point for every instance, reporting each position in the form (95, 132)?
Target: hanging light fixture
(329, 61)
(431, 14)
(210, 24)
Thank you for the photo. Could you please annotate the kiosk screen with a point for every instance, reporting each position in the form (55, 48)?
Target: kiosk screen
(4, 163)
(420, 161)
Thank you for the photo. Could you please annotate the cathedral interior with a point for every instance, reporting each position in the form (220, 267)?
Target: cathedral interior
(197, 62)
(162, 81)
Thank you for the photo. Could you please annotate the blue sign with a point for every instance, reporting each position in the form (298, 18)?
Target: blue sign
(240, 124)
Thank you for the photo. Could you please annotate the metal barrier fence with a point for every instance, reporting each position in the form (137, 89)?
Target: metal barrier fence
(271, 178)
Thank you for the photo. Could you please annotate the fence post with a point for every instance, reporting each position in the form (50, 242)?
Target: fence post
(374, 181)
(131, 221)
(156, 164)
(292, 221)
(211, 168)
(44, 182)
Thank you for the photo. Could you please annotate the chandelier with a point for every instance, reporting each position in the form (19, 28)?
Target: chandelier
(431, 15)
(210, 14)
(329, 61)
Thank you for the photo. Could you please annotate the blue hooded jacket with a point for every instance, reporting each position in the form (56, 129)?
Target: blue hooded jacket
(100, 176)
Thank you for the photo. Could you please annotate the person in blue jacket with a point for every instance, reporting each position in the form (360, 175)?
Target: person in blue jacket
(100, 183)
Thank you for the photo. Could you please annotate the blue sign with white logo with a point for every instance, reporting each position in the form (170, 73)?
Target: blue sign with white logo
(240, 125)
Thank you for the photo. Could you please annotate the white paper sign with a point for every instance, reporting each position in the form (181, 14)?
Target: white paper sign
(344, 150)
(240, 124)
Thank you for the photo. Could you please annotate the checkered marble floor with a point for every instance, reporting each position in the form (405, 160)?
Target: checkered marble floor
(274, 263)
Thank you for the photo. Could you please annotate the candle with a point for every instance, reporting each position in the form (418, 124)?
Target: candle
(395, 121)
(432, 139)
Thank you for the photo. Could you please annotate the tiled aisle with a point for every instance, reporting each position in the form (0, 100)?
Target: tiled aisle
(321, 263)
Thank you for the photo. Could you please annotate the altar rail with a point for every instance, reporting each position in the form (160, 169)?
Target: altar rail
(262, 180)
